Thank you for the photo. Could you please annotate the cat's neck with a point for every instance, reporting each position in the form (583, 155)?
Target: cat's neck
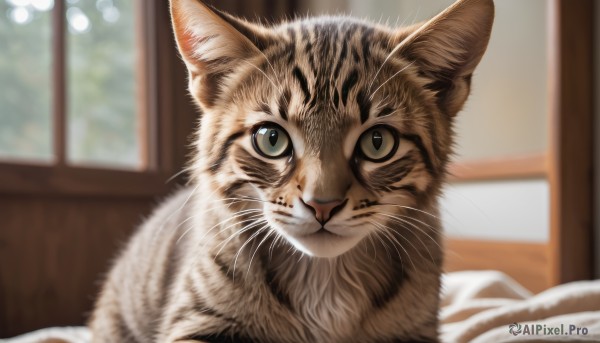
(362, 270)
(333, 294)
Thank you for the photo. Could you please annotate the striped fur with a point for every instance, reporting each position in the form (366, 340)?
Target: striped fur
(239, 256)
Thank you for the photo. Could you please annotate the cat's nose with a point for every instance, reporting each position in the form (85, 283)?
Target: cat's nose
(324, 209)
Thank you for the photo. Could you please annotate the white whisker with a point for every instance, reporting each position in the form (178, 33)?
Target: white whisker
(388, 80)
(401, 222)
(258, 247)
(239, 232)
(162, 225)
(254, 235)
(262, 72)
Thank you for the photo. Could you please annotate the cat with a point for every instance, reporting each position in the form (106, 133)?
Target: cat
(312, 214)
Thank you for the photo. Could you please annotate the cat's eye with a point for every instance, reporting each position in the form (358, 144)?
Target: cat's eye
(271, 141)
(378, 144)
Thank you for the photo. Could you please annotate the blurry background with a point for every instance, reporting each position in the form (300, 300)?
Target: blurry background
(95, 117)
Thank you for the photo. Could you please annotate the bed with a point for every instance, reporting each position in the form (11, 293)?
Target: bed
(477, 306)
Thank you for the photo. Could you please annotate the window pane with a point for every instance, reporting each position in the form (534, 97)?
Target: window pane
(25, 79)
(101, 60)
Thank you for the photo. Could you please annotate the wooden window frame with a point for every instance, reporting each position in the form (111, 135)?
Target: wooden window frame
(534, 166)
(158, 74)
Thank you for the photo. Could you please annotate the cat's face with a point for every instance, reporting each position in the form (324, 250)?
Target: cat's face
(331, 151)
(333, 128)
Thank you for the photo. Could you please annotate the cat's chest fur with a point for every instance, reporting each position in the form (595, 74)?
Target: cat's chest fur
(328, 297)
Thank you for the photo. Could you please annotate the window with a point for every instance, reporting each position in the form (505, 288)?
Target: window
(79, 110)
(25, 102)
(104, 121)
(89, 66)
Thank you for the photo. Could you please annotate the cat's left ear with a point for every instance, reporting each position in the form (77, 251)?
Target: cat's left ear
(212, 44)
(448, 47)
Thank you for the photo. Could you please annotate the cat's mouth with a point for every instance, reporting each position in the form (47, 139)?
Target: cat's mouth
(329, 240)
(323, 242)
(324, 232)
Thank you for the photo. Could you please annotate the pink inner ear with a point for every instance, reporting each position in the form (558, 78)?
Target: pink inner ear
(186, 43)
(184, 37)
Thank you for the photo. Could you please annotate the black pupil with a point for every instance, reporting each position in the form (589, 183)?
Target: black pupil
(377, 139)
(273, 136)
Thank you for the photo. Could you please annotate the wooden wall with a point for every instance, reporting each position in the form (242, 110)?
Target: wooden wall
(527, 263)
(53, 252)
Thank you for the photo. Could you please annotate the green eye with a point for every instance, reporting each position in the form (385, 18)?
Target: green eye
(271, 141)
(378, 144)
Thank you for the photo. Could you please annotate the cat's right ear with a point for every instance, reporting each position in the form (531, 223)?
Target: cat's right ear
(212, 44)
(448, 47)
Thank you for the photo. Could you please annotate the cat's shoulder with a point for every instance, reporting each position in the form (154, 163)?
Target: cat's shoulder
(168, 214)
(175, 203)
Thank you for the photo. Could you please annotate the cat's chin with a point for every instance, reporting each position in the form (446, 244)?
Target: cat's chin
(323, 243)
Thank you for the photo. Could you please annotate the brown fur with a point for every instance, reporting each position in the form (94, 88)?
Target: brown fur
(238, 256)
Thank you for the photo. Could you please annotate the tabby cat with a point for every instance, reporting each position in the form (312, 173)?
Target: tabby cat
(312, 214)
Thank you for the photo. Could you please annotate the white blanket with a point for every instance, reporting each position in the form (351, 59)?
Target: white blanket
(477, 306)
(482, 307)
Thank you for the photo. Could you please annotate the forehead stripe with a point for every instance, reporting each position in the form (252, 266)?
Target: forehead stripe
(341, 58)
(348, 85)
(264, 108)
(303, 83)
(283, 104)
(386, 111)
(364, 106)
(366, 43)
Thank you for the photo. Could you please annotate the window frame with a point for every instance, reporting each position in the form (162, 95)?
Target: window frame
(160, 80)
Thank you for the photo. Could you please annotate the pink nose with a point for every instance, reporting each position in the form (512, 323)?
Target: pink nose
(324, 210)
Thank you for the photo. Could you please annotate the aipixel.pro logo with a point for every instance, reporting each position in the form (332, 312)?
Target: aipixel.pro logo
(516, 329)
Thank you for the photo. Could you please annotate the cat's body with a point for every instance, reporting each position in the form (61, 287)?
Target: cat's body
(312, 215)
(276, 299)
